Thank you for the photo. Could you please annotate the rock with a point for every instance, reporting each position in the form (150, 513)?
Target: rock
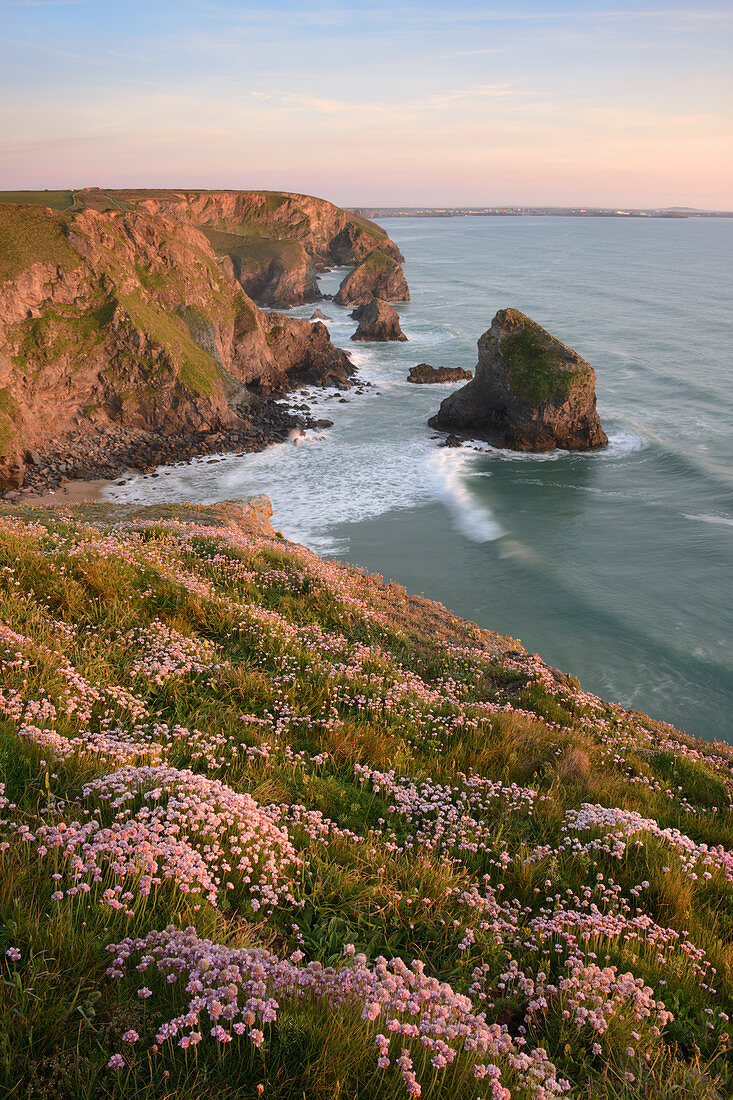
(319, 315)
(272, 272)
(12, 471)
(33, 458)
(378, 321)
(529, 392)
(377, 276)
(423, 374)
(451, 441)
(322, 424)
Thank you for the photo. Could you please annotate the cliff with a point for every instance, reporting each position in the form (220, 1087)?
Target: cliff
(128, 318)
(272, 272)
(276, 240)
(272, 826)
(529, 392)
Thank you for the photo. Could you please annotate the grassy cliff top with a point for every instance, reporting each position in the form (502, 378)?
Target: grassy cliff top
(30, 234)
(376, 260)
(271, 826)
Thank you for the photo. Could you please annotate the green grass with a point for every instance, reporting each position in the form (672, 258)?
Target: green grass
(332, 672)
(29, 235)
(367, 226)
(197, 369)
(377, 261)
(9, 420)
(539, 366)
(61, 330)
(56, 200)
(252, 254)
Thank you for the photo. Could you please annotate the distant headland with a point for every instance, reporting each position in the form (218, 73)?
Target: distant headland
(533, 211)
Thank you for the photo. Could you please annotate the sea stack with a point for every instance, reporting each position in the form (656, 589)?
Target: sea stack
(377, 276)
(529, 392)
(378, 321)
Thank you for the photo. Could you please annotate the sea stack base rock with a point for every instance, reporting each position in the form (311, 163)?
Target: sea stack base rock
(529, 392)
(377, 321)
(425, 375)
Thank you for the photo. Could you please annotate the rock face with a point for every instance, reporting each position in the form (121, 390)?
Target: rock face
(126, 319)
(328, 234)
(272, 272)
(276, 240)
(529, 392)
(377, 276)
(424, 375)
(378, 321)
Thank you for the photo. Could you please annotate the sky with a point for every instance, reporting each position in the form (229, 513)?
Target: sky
(611, 104)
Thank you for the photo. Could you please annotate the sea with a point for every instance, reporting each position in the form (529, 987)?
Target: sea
(616, 566)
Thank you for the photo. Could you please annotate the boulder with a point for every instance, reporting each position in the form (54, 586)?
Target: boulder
(377, 276)
(377, 321)
(319, 315)
(424, 375)
(529, 392)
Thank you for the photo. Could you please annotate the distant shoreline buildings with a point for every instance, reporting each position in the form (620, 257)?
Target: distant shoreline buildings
(530, 211)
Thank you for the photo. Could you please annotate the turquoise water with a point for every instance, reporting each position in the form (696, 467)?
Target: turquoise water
(616, 566)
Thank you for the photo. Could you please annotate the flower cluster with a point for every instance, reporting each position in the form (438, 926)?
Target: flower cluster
(235, 989)
(176, 825)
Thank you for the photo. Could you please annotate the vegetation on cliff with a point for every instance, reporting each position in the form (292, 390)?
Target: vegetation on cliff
(271, 826)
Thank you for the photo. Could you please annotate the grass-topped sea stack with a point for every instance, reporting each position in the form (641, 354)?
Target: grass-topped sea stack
(378, 275)
(529, 393)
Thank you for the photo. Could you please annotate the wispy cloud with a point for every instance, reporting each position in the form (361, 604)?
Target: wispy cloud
(444, 100)
(360, 112)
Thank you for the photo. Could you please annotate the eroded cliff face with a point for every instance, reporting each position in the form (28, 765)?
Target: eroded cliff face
(275, 240)
(128, 318)
(272, 272)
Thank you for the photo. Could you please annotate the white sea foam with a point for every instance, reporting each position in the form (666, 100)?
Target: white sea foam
(725, 521)
(473, 520)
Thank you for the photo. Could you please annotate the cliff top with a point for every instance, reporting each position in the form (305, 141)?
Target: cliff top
(95, 198)
(271, 821)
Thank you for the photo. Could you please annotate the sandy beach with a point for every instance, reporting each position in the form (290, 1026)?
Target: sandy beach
(72, 492)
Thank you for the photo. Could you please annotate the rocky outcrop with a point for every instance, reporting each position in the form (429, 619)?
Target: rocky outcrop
(319, 315)
(425, 375)
(377, 276)
(126, 319)
(529, 392)
(272, 272)
(378, 321)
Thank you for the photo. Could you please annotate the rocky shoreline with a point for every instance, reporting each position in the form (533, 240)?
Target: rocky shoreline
(110, 452)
